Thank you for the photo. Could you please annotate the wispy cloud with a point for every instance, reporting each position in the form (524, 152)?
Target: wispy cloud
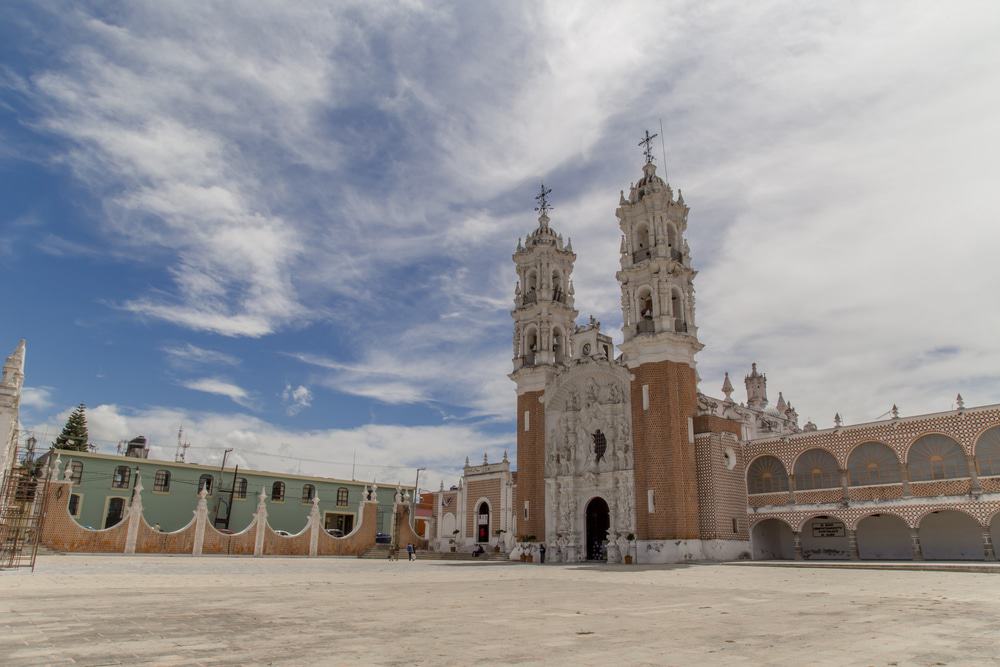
(188, 356)
(36, 398)
(221, 387)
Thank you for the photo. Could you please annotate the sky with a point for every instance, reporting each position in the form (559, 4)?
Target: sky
(288, 227)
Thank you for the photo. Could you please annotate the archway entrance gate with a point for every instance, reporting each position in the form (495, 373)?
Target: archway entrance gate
(598, 524)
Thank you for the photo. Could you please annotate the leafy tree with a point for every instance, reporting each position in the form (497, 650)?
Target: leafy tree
(74, 434)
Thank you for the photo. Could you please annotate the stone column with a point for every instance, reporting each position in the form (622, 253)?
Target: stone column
(915, 542)
(134, 515)
(791, 488)
(261, 517)
(904, 476)
(200, 522)
(314, 527)
(988, 551)
(852, 544)
(973, 474)
(844, 486)
(797, 544)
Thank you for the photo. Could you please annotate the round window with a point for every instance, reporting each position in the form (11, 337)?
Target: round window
(586, 349)
(729, 456)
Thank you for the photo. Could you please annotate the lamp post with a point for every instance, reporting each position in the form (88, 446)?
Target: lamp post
(413, 501)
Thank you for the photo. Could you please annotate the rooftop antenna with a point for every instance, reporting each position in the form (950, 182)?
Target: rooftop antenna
(663, 147)
(180, 455)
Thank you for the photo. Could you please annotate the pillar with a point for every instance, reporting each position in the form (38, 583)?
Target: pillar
(844, 486)
(915, 542)
(973, 474)
(261, 521)
(988, 551)
(134, 515)
(852, 544)
(791, 489)
(904, 476)
(200, 521)
(797, 544)
(314, 527)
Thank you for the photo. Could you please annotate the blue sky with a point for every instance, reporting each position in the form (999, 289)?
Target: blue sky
(289, 227)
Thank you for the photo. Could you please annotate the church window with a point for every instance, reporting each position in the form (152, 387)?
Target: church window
(645, 397)
(308, 491)
(767, 475)
(121, 477)
(600, 445)
(735, 527)
(872, 463)
(816, 469)
(557, 288)
(650, 504)
(342, 494)
(76, 472)
(936, 456)
(278, 492)
(161, 481)
(205, 483)
(525, 510)
(241, 488)
(988, 452)
(527, 421)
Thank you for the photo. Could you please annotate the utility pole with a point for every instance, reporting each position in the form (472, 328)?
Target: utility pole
(413, 501)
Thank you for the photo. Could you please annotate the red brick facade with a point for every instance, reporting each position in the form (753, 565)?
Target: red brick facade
(665, 459)
(530, 464)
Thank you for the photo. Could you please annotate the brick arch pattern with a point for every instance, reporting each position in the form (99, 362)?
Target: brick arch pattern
(983, 512)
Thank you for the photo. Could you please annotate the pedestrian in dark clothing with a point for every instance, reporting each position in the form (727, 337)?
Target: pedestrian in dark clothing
(541, 552)
(411, 552)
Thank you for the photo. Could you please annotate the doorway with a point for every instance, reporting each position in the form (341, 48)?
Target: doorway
(598, 523)
(483, 523)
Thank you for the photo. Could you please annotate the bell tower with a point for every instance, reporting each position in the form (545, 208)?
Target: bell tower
(660, 340)
(544, 322)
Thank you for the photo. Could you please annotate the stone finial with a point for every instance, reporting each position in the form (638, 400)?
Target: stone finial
(406, 496)
(621, 197)
(467, 462)
(895, 411)
(261, 497)
(810, 426)
(960, 402)
(621, 247)
(54, 466)
(68, 472)
(837, 421)
(485, 460)
(727, 388)
(138, 484)
(781, 406)
(569, 244)
(572, 289)
(519, 246)
(398, 496)
(315, 502)
(442, 485)
(680, 196)
(505, 459)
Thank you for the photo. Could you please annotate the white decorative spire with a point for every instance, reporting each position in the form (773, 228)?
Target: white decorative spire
(781, 406)
(959, 402)
(895, 411)
(485, 460)
(837, 421)
(505, 459)
(727, 388)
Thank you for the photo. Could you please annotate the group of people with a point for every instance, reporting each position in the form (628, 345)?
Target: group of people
(411, 552)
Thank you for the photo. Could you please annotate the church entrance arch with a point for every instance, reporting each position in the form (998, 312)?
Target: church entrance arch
(598, 523)
(483, 523)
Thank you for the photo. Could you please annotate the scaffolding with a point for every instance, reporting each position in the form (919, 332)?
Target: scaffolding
(22, 513)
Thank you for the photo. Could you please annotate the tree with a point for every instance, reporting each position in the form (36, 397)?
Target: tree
(74, 434)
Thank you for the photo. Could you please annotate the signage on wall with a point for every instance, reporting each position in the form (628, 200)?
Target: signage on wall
(828, 529)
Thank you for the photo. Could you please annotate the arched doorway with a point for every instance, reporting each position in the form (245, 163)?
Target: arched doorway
(825, 538)
(951, 535)
(483, 523)
(773, 540)
(884, 537)
(598, 523)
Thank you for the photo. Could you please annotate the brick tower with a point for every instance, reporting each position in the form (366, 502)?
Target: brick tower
(660, 343)
(544, 321)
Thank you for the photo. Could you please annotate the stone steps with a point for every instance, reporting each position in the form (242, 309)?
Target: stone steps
(381, 551)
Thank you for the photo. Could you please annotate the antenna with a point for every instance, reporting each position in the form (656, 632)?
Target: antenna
(663, 146)
(178, 453)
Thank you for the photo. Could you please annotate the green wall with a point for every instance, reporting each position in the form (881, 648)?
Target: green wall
(175, 508)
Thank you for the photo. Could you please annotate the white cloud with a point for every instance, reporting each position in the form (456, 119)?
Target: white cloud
(387, 453)
(36, 398)
(189, 355)
(296, 399)
(221, 387)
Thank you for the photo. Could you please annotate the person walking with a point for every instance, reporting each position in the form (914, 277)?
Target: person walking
(411, 552)
(541, 552)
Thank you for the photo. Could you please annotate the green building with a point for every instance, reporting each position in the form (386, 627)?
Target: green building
(103, 485)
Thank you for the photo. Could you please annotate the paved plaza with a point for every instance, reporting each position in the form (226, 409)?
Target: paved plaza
(101, 610)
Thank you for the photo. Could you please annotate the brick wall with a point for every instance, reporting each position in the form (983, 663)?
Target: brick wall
(530, 465)
(61, 532)
(664, 458)
(475, 490)
(721, 490)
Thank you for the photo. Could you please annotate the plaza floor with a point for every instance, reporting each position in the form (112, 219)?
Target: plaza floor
(109, 610)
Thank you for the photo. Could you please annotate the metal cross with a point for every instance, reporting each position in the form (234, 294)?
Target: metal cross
(542, 199)
(648, 143)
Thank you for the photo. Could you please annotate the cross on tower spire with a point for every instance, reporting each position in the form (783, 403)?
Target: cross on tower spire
(648, 143)
(542, 199)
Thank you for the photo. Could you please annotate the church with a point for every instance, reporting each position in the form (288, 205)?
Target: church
(620, 457)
